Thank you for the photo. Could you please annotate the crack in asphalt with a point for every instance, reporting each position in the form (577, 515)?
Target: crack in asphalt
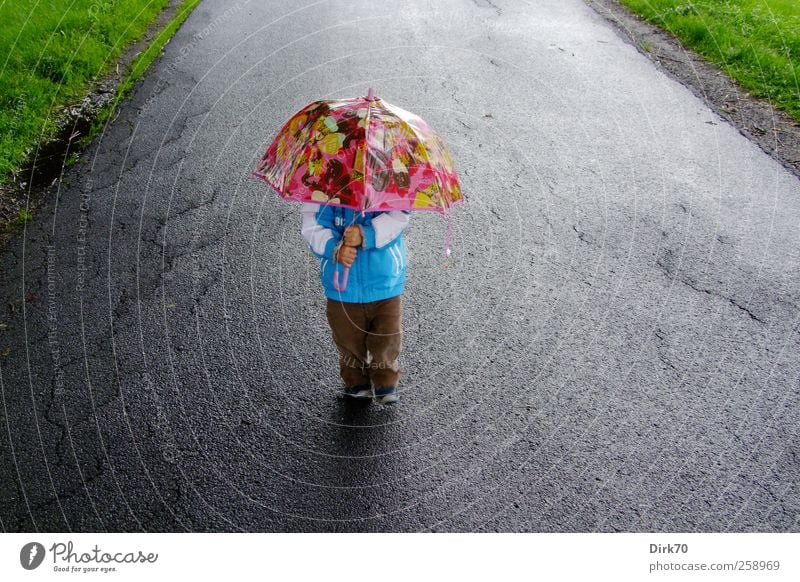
(661, 336)
(488, 4)
(69, 493)
(588, 239)
(666, 263)
(202, 204)
(183, 124)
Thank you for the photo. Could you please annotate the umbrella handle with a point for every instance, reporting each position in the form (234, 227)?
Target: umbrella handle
(336, 285)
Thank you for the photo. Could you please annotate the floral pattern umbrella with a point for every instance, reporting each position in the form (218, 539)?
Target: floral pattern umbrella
(361, 153)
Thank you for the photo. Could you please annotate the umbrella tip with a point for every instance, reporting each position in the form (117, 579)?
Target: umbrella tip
(371, 94)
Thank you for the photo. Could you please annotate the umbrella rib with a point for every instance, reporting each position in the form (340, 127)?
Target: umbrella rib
(366, 154)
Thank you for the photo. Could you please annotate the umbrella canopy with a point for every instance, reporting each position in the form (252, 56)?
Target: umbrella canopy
(361, 153)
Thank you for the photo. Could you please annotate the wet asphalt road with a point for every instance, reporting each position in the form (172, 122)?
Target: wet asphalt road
(613, 345)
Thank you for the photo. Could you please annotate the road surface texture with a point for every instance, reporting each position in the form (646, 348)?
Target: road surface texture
(613, 345)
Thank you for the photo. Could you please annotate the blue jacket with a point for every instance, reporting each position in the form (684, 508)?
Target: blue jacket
(379, 271)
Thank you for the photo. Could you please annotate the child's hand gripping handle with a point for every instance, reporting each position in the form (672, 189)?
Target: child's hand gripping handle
(353, 237)
(344, 254)
(336, 285)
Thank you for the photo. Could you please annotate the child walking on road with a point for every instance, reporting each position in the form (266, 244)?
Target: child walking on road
(365, 317)
(359, 166)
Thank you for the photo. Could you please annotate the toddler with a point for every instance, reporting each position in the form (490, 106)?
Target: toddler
(365, 316)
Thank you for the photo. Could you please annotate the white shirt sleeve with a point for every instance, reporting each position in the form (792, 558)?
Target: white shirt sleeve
(316, 235)
(389, 226)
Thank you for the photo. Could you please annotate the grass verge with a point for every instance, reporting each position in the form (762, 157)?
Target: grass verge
(756, 42)
(140, 65)
(52, 52)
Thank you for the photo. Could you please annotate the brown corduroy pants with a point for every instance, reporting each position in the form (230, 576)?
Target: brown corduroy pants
(371, 329)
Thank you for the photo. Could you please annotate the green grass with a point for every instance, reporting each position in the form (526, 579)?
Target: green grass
(757, 42)
(24, 215)
(51, 52)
